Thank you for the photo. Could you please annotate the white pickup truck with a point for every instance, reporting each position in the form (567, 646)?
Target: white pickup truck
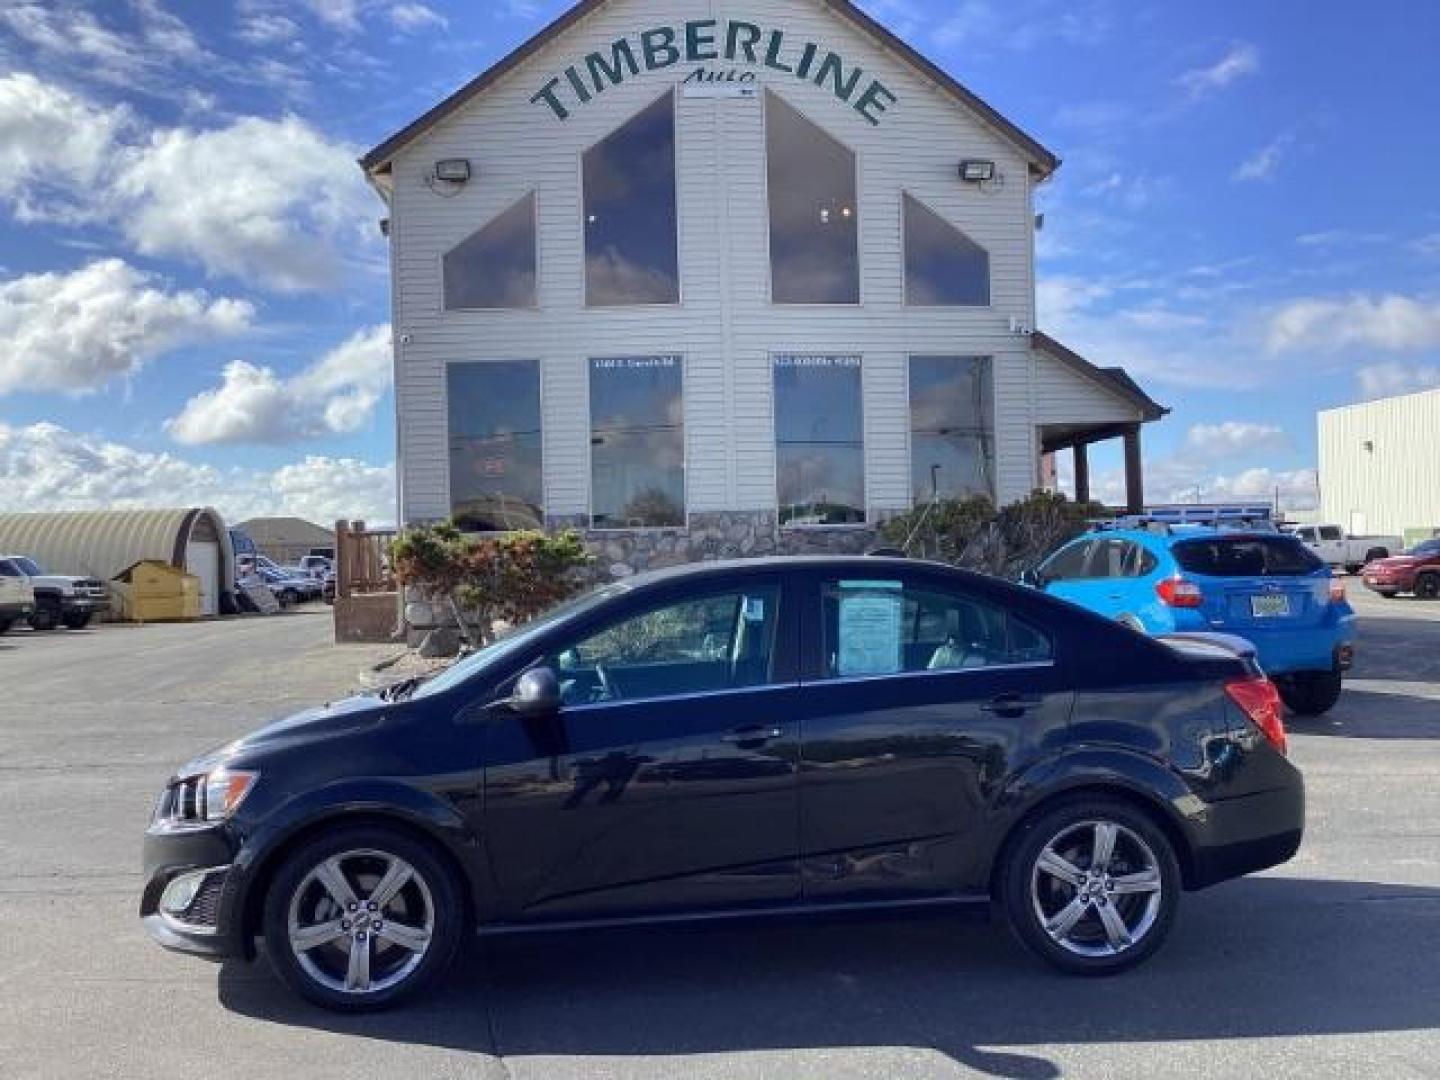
(17, 597)
(1339, 548)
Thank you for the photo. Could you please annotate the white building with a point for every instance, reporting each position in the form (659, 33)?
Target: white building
(712, 276)
(1380, 466)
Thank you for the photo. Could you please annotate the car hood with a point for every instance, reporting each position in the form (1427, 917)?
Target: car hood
(1394, 562)
(333, 720)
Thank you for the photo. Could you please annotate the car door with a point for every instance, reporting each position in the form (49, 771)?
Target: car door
(921, 699)
(667, 781)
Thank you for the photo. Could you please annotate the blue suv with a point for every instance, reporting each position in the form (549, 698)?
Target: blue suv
(1256, 583)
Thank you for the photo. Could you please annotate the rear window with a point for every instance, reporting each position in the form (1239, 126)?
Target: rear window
(1246, 556)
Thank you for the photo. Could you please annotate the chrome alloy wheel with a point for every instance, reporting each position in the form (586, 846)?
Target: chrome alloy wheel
(361, 922)
(1096, 889)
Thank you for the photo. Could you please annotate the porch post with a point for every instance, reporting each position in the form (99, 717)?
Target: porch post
(1134, 471)
(1082, 472)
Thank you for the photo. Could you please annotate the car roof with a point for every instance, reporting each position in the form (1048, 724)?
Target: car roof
(866, 564)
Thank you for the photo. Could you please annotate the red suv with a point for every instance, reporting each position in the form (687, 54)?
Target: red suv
(1417, 571)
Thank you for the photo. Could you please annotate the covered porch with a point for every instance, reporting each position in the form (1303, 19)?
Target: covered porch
(1083, 404)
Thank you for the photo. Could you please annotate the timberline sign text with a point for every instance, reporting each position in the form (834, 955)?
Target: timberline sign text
(709, 41)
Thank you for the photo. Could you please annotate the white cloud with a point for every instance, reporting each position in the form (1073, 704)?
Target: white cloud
(1184, 479)
(69, 32)
(267, 28)
(268, 201)
(341, 14)
(1235, 438)
(1263, 163)
(1428, 245)
(334, 396)
(1242, 59)
(412, 17)
(53, 146)
(1392, 322)
(75, 332)
(1389, 379)
(168, 35)
(46, 467)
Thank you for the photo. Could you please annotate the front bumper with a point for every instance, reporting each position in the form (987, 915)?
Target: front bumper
(210, 923)
(83, 605)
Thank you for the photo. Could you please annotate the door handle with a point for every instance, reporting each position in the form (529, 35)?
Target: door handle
(751, 736)
(1010, 705)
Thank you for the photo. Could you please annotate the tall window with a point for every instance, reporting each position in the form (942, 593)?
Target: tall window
(814, 213)
(943, 266)
(637, 442)
(631, 250)
(820, 441)
(951, 427)
(495, 453)
(495, 267)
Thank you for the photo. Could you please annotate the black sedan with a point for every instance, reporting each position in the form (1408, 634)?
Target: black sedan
(773, 737)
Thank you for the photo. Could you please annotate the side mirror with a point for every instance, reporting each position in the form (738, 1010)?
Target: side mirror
(536, 694)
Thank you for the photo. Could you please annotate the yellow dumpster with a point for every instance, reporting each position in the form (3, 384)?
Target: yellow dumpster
(156, 592)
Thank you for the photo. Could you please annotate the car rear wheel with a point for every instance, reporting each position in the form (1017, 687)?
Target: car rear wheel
(1091, 887)
(362, 918)
(5, 625)
(1311, 693)
(77, 621)
(1427, 586)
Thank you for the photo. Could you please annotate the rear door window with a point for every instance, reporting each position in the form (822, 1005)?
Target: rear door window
(1246, 556)
(1067, 564)
(878, 627)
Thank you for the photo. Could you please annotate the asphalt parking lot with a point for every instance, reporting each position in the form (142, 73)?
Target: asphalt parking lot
(1324, 967)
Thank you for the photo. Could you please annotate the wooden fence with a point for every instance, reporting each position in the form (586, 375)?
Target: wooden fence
(362, 560)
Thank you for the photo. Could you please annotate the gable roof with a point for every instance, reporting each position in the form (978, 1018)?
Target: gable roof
(1042, 161)
(1114, 379)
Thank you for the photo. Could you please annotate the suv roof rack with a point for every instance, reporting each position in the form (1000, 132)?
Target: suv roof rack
(1163, 520)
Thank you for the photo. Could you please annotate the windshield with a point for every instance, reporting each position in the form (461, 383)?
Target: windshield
(516, 640)
(29, 567)
(1426, 549)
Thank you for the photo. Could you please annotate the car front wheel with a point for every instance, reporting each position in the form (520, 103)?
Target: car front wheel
(362, 919)
(1311, 693)
(1427, 586)
(1091, 887)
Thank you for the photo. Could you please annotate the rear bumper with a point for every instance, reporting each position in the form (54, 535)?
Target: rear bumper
(1322, 648)
(1253, 832)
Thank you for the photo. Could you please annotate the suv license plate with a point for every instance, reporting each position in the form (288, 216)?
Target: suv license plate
(1269, 607)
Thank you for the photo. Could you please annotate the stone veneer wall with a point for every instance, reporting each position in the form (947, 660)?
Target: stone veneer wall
(730, 535)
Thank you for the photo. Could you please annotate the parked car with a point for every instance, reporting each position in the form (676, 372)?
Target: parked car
(1339, 548)
(769, 737)
(316, 566)
(290, 589)
(327, 588)
(60, 599)
(1415, 571)
(1263, 586)
(17, 595)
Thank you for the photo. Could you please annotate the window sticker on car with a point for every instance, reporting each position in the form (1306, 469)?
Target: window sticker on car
(871, 613)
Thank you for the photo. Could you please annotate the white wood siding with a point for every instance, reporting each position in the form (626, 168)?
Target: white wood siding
(725, 326)
(1395, 484)
(1064, 396)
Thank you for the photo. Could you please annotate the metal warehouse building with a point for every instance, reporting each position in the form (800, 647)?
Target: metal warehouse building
(103, 543)
(1380, 465)
(720, 277)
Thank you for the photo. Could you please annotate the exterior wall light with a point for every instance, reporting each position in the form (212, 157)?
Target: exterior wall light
(977, 172)
(453, 170)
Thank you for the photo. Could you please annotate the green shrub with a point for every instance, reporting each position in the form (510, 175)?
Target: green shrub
(512, 577)
(971, 533)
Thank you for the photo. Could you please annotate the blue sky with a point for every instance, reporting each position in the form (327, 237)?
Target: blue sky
(193, 286)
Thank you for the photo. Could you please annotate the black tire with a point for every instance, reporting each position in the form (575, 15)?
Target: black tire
(5, 625)
(76, 621)
(362, 852)
(1088, 949)
(288, 599)
(45, 616)
(1427, 586)
(1311, 693)
(1352, 568)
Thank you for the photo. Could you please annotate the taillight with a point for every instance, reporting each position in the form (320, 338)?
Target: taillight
(1260, 701)
(1179, 592)
(1337, 591)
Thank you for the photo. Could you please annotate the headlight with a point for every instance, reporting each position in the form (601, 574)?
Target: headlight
(205, 799)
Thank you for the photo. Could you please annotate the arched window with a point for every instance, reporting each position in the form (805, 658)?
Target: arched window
(495, 267)
(631, 225)
(814, 214)
(943, 266)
